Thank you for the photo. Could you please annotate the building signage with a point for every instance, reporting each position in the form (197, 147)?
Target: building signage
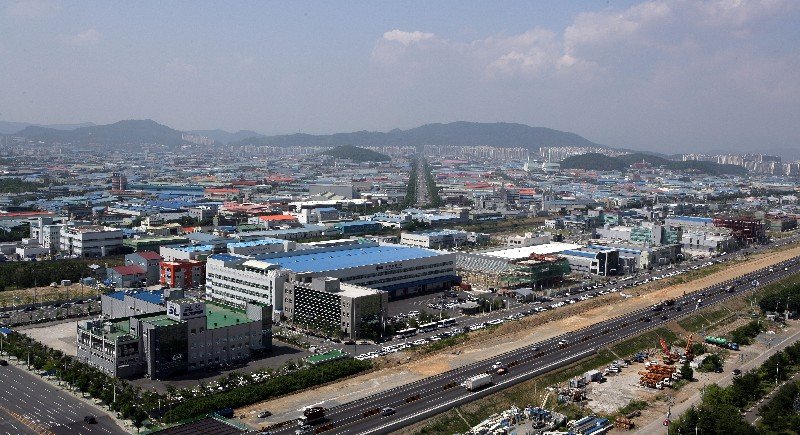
(185, 310)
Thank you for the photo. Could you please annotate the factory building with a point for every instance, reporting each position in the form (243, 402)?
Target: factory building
(593, 259)
(399, 270)
(186, 334)
(90, 241)
(329, 305)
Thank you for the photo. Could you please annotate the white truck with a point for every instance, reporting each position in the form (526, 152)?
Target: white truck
(478, 381)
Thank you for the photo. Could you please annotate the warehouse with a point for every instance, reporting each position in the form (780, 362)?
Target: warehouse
(399, 270)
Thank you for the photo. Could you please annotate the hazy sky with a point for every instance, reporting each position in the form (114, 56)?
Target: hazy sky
(669, 76)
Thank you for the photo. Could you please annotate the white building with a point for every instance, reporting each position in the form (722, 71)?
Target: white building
(237, 280)
(90, 240)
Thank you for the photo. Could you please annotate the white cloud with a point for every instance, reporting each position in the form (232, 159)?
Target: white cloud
(31, 9)
(85, 38)
(407, 38)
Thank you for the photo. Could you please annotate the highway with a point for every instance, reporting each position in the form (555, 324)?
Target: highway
(29, 405)
(430, 396)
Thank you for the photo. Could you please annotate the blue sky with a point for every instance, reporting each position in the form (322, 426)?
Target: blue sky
(676, 75)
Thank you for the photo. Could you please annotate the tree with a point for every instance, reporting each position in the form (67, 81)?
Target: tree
(687, 372)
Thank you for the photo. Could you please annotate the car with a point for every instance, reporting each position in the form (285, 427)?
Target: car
(264, 414)
(387, 411)
(3, 362)
(349, 342)
(89, 419)
(736, 372)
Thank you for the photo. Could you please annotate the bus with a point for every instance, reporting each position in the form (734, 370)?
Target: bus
(405, 333)
(428, 327)
(446, 322)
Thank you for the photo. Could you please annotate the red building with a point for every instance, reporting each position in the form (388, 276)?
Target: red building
(183, 273)
(745, 230)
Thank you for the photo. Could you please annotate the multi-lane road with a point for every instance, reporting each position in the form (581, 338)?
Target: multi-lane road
(29, 405)
(419, 400)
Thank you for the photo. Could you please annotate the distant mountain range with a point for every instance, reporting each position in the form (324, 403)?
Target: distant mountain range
(461, 133)
(601, 162)
(7, 127)
(119, 133)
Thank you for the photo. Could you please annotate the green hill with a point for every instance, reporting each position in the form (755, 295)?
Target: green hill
(600, 162)
(594, 162)
(499, 134)
(357, 154)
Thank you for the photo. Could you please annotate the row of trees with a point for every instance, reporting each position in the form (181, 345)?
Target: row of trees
(17, 185)
(745, 334)
(25, 274)
(780, 296)
(721, 408)
(120, 396)
(274, 387)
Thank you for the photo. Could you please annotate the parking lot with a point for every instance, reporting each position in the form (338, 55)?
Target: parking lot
(49, 312)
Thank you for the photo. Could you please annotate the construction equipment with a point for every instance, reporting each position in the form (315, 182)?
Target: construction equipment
(623, 423)
(669, 357)
(688, 353)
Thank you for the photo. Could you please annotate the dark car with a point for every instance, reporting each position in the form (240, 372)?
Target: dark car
(737, 372)
(387, 411)
(90, 419)
(3, 362)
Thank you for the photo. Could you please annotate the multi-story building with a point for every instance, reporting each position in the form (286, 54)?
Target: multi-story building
(744, 230)
(329, 305)
(260, 246)
(90, 241)
(593, 259)
(183, 273)
(188, 334)
(149, 261)
(236, 280)
(186, 252)
(46, 233)
(399, 270)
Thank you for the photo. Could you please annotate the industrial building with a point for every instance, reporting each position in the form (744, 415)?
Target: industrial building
(593, 259)
(182, 273)
(399, 270)
(90, 241)
(442, 239)
(149, 261)
(184, 335)
(260, 246)
(329, 305)
(186, 252)
(492, 272)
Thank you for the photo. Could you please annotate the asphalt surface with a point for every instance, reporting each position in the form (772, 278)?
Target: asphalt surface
(422, 399)
(29, 405)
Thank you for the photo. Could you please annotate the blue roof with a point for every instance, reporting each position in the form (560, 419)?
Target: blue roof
(225, 257)
(355, 224)
(260, 242)
(349, 258)
(579, 253)
(193, 248)
(154, 297)
(5, 331)
(693, 219)
(327, 209)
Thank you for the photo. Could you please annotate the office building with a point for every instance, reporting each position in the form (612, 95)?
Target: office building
(90, 241)
(187, 334)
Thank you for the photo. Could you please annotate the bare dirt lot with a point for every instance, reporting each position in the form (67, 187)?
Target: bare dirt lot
(509, 336)
(60, 336)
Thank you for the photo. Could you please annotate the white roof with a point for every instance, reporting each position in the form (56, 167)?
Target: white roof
(526, 251)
